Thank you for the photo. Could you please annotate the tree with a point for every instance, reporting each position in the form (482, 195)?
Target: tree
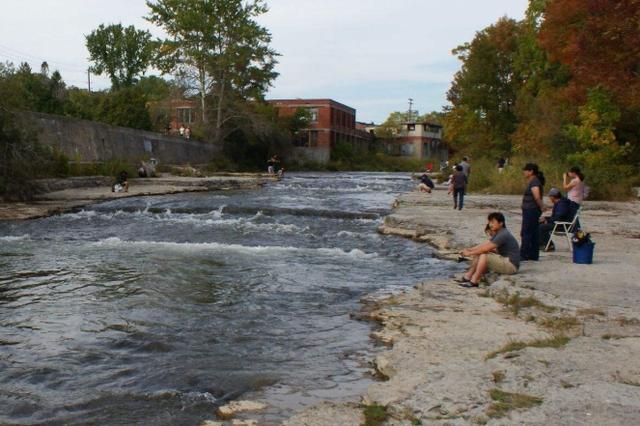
(219, 45)
(483, 93)
(599, 41)
(603, 157)
(126, 107)
(122, 53)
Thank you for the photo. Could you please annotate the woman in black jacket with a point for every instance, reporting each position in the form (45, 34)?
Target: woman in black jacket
(532, 207)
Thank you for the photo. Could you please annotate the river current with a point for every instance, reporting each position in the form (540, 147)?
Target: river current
(155, 310)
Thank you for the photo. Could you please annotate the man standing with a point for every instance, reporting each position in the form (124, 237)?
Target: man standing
(466, 168)
(561, 213)
(458, 187)
(500, 254)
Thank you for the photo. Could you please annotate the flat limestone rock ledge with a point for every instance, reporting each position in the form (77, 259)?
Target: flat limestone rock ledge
(69, 194)
(234, 407)
(327, 414)
(566, 355)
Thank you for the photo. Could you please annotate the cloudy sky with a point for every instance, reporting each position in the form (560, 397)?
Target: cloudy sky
(370, 54)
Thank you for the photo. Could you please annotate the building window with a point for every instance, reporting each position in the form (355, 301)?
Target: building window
(406, 150)
(185, 115)
(313, 138)
(313, 113)
(411, 127)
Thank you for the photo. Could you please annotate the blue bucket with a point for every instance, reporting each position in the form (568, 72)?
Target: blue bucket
(583, 253)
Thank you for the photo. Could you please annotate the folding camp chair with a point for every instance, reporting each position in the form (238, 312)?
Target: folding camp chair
(564, 228)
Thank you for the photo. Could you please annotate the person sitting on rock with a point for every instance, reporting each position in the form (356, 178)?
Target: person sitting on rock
(426, 184)
(500, 254)
(561, 212)
(123, 181)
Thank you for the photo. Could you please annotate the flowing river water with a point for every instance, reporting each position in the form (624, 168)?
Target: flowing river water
(155, 310)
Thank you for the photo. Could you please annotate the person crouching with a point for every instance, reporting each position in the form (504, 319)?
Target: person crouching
(426, 184)
(500, 254)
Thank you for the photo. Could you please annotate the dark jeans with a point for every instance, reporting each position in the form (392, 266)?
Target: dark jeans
(573, 206)
(530, 234)
(458, 194)
(545, 233)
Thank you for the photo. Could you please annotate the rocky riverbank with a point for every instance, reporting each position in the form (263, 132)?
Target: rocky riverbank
(60, 195)
(555, 344)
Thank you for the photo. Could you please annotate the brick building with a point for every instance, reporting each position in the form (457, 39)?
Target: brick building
(331, 122)
(172, 113)
(418, 140)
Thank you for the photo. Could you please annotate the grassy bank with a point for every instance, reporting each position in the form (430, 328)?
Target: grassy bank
(604, 184)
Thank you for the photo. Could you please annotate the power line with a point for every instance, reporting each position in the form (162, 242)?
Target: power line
(29, 57)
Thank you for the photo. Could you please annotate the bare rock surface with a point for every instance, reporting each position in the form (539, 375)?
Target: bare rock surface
(555, 344)
(327, 414)
(68, 194)
(234, 407)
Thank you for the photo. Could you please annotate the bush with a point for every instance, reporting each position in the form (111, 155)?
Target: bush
(602, 181)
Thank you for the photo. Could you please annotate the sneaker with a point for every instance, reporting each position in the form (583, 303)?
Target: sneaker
(461, 280)
(469, 285)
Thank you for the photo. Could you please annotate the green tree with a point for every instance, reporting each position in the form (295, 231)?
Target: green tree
(605, 159)
(219, 45)
(21, 88)
(126, 107)
(483, 93)
(122, 53)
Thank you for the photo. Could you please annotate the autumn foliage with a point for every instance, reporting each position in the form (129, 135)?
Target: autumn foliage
(599, 41)
(561, 84)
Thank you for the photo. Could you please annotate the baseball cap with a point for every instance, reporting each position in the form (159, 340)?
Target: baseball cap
(555, 192)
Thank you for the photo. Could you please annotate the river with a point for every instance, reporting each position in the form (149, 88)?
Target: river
(154, 310)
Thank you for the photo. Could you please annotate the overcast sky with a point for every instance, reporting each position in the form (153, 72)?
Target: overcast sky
(370, 54)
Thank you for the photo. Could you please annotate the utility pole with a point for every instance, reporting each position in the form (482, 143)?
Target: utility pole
(410, 109)
(89, 78)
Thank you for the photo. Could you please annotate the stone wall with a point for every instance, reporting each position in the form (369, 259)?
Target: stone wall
(89, 141)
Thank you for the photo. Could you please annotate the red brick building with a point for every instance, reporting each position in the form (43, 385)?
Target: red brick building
(173, 113)
(331, 122)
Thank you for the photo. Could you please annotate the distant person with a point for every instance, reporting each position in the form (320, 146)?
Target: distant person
(142, 171)
(181, 130)
(561, 212)
(532, 207)
(187, 133)
(459, 184)
(270, 166)
(122, 182)
(429, 167)
(501, 163)
(573, 183)
(466, 167)
(443, 165)
(500, 254)
(276, 164)
(426, 184)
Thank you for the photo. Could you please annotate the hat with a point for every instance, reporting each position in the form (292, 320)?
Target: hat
(555, 193)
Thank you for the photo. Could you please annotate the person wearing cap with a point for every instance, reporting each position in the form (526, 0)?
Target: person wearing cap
(561, 212)
(532, 207)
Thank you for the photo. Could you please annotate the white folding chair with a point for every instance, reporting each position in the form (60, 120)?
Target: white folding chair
(564, 228)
